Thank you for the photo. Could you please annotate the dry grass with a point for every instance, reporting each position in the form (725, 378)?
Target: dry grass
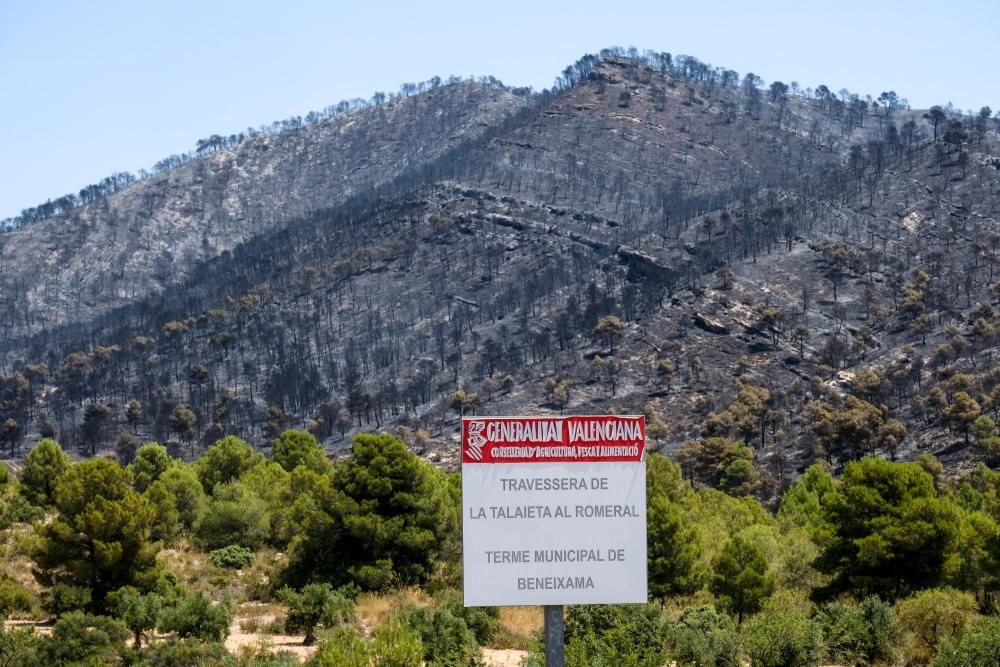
(257, 633)
(261, 618)
(255, 581)
(519, 626)
(374, 608)
(192, 567)
(14, 546)
(15, 563)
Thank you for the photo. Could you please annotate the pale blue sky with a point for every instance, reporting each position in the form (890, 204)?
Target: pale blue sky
(91, 87)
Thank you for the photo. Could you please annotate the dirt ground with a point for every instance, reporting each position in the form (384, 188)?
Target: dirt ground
(507, 657)
(240, 643)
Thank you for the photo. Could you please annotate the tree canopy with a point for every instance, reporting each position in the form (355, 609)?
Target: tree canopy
(385, 519)
(42, 466)
(100, 537)
(891, 530)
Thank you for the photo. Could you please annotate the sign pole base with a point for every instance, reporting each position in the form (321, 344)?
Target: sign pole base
(555, 642)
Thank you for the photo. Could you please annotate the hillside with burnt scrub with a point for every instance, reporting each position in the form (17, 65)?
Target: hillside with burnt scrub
(774, 276)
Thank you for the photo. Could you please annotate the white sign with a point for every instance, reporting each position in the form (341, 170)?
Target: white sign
(554, 510)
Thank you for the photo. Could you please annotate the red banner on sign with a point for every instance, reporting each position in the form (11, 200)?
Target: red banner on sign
(580, 439)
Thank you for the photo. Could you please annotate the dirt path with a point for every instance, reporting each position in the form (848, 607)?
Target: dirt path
(244, 642)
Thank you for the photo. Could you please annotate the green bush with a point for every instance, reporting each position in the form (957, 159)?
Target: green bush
(314, 605)
(483, 621)
(844, 632)
(880, 645)
(139, 612)
(195, 615)
(168, 588)
(703, 637)
(78, 637)
(13, 597)
(342, 647)
(167, 521)
(189, 651)
(232, 557)
(804, 503)
(297, 448)
(234, 515)
(14, 507)
(615, 635)
(397, 645)
(979, 646)
(224, 462)
(280, 659)
(447, 640)
(931, 617)
(673, 550)
(858, 634)
(182, 482)
(19, 647)
(782, 636)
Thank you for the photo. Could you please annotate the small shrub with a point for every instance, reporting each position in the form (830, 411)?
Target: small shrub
(397, 646)
(703, 637)
(81, 638)
(314, 605)
(979, 646)
(782, 636)
(275, 627)
(482, 621)
(234, 514)
(189, 651)
(139, 612)
(259, 577)
(844, 631)
(195, 615)
(858, 634)
(446, 638)
(342, 647)
(265, 619)
(518, 628)
(931, 617)
(13, 597)
(615, 634)
(251, 624)
(233, 557)
(18, 646)
(219, 581)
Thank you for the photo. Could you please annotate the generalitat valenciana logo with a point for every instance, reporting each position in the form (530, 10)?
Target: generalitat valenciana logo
(476, 440)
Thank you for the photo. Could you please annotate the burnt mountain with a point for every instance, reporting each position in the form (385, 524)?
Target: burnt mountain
(772, 275)
(148, 237)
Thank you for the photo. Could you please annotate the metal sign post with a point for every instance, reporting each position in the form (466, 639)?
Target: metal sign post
(555, 641)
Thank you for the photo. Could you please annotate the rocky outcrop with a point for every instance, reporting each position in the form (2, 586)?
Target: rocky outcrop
(710, 325)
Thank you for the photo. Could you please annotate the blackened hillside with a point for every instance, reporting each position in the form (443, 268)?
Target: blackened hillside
(811, 277)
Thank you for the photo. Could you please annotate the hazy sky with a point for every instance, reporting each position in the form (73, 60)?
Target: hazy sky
(91, 87)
